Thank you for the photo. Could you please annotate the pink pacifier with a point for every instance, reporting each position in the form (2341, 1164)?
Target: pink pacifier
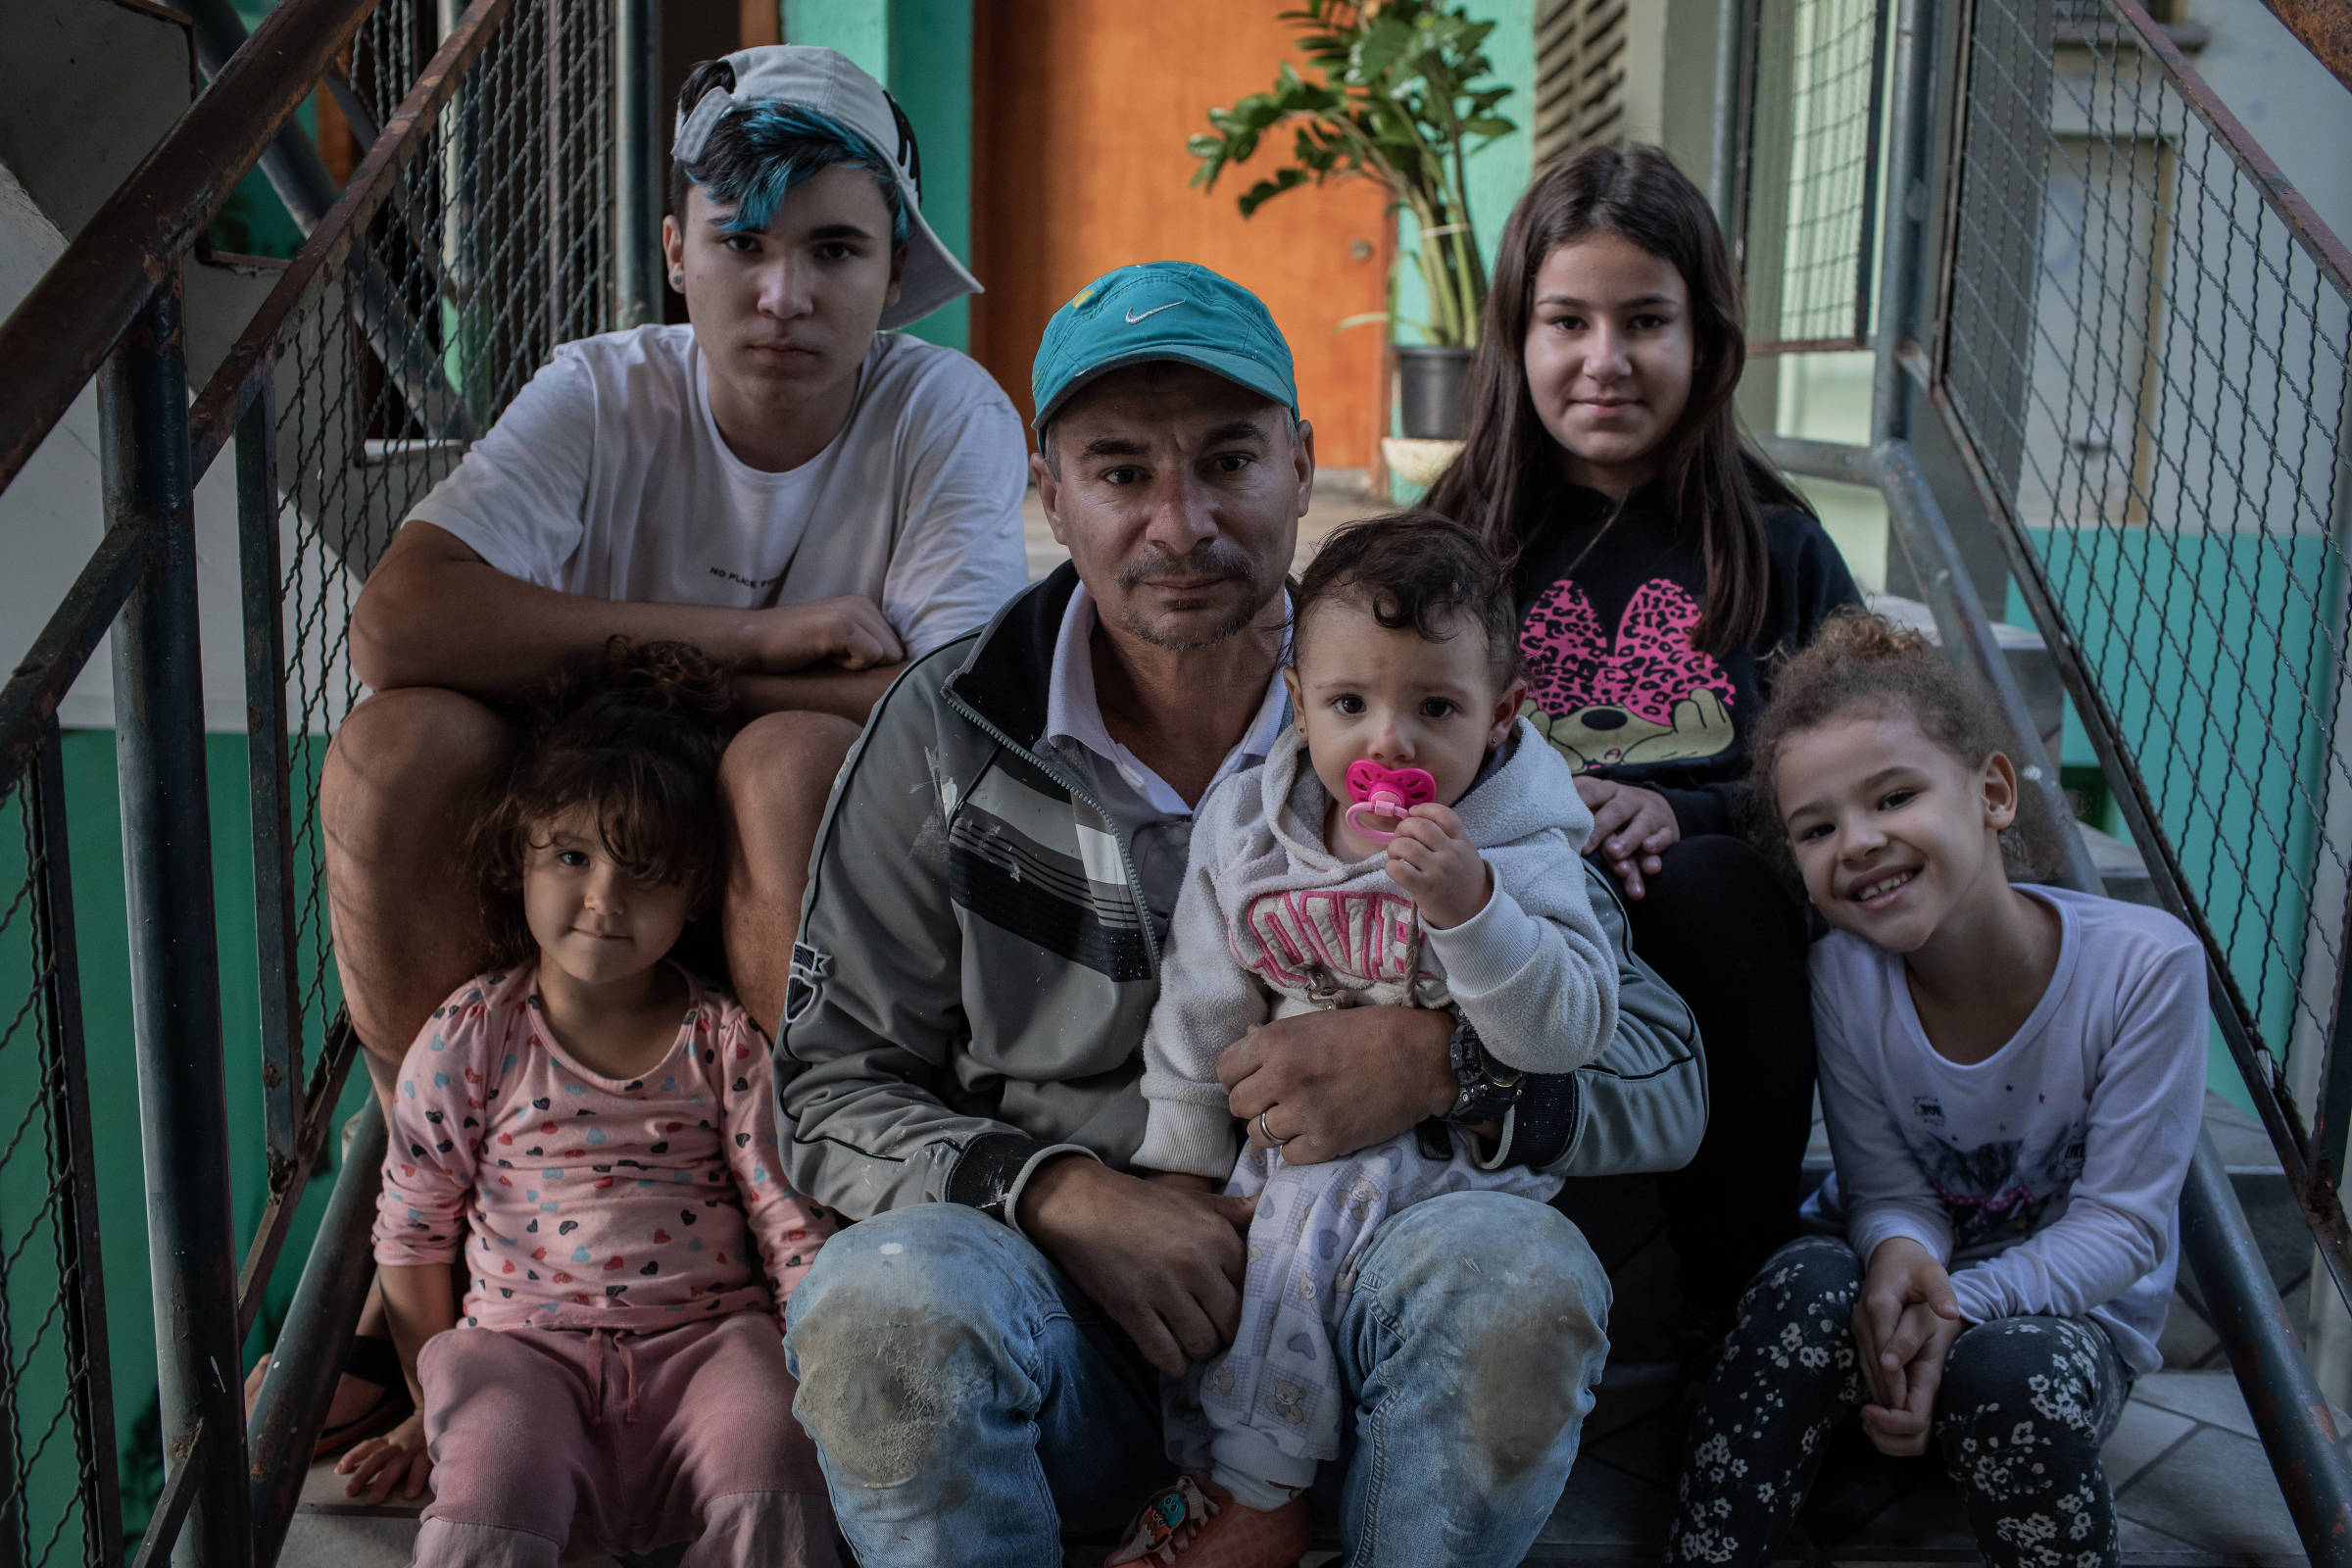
(1387, 792)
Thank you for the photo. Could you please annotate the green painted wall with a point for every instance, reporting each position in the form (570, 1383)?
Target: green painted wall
(253, 221)
(101, 932)
(2208, 708)
(859, 28)
(1499, 171)
(921, 50)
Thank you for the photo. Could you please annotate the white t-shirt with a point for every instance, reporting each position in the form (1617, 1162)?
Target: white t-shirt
(2048, 1175)
(606, 477)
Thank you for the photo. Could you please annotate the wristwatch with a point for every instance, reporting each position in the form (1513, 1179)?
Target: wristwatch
(1488, 1089)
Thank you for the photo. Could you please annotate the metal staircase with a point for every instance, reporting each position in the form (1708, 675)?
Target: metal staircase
(249, 437)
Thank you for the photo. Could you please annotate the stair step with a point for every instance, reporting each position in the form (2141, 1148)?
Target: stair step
(2120, 866)
(2190, 1477)
(2029, 662)
(330, 1531)
(2118, 861)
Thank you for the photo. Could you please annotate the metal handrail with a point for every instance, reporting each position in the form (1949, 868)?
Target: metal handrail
(2322, 27)
(2327, 251)
(1909, 401)
(108, 311)
(213, 420)
(2292, 1418)
(63, 329)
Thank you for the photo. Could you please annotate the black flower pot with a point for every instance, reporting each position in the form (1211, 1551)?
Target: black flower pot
(1433, 384)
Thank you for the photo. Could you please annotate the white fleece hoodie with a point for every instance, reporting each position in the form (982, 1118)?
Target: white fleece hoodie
(1271, 922)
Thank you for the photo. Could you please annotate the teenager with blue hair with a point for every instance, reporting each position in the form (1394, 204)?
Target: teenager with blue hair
(788, 482)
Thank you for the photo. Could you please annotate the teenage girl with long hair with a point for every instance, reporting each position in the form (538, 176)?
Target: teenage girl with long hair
(1659, 563)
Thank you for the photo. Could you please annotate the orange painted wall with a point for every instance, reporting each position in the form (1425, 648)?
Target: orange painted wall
(1081, 109)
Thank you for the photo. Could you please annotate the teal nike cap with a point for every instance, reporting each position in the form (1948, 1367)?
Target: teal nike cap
(1161, 311)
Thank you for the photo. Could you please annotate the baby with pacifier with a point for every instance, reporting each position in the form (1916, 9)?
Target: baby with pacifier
(1411, 841)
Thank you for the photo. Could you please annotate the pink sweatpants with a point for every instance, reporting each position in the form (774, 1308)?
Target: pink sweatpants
(554, 1441)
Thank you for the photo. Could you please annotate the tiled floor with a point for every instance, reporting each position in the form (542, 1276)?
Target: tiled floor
(2191, 1485)
(2190, 1480)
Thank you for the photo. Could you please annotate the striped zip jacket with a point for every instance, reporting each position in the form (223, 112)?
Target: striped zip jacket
(975, 964)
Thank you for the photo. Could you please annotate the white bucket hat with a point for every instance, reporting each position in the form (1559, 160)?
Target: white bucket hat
(824, 81)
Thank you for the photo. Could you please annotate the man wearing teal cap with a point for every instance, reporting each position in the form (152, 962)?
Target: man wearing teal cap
(979, 952)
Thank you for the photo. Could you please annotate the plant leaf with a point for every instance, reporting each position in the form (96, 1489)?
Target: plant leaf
(1265, 191)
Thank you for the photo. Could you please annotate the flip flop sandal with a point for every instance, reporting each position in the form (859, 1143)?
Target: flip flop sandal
(370, 1358)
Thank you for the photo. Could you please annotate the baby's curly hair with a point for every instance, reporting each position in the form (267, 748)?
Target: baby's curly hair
(1420, 569)
(633, 732)
(1863, 665)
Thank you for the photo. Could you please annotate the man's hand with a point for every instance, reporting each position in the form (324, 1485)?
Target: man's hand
(1905, 1321)
(1165, 1263)
(397, 1460)
(1631, 828)
(1334, 1081)
(1440, 869)
(848, 633)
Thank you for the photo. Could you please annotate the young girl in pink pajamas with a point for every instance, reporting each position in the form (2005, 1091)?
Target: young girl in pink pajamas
(591, 1128)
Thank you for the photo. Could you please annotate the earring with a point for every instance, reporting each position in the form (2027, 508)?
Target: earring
(678, 280)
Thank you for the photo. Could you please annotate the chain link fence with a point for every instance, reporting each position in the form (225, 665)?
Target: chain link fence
(493, 242)
(58, 1488)
(1816, 77)
(479, 231)
(2146, 355)
(2138, 338)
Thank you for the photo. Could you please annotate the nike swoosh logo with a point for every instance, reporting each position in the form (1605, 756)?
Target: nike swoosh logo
(1134, 316)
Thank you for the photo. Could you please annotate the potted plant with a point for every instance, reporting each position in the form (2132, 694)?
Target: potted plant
(1405, 90)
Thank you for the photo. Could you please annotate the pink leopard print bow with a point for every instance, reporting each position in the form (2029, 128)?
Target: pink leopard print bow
(1572, 666)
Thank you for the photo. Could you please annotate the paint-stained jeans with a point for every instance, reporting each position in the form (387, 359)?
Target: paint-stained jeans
(970, 1402)
(2025, 1403)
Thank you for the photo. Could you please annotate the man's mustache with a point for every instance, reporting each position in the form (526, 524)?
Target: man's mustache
(1212, 557)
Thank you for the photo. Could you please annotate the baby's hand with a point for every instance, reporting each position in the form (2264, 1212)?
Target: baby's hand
(396, 1460)
(1440, 869)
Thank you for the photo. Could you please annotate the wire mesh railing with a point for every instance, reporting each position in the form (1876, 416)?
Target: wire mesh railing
(2144, 348)
(1816, 75)
(58, 1498)
(478, 235)
(2111, 378)
(2138, 338)
(481, 227)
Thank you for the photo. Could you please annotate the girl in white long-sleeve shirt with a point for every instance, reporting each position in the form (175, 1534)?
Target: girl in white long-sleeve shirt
(2011, 1078)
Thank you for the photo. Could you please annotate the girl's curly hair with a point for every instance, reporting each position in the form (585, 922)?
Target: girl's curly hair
(633, 732)
(1863, 665)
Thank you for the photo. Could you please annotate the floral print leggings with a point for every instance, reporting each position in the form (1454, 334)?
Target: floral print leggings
(2025, 1402)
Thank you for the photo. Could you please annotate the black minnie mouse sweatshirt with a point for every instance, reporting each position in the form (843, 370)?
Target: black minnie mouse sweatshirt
(1607, 607)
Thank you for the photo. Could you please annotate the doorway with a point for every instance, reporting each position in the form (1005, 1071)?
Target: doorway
(1079, 113)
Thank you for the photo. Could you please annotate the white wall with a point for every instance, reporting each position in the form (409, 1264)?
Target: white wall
(2300, 113)
(53, 515)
